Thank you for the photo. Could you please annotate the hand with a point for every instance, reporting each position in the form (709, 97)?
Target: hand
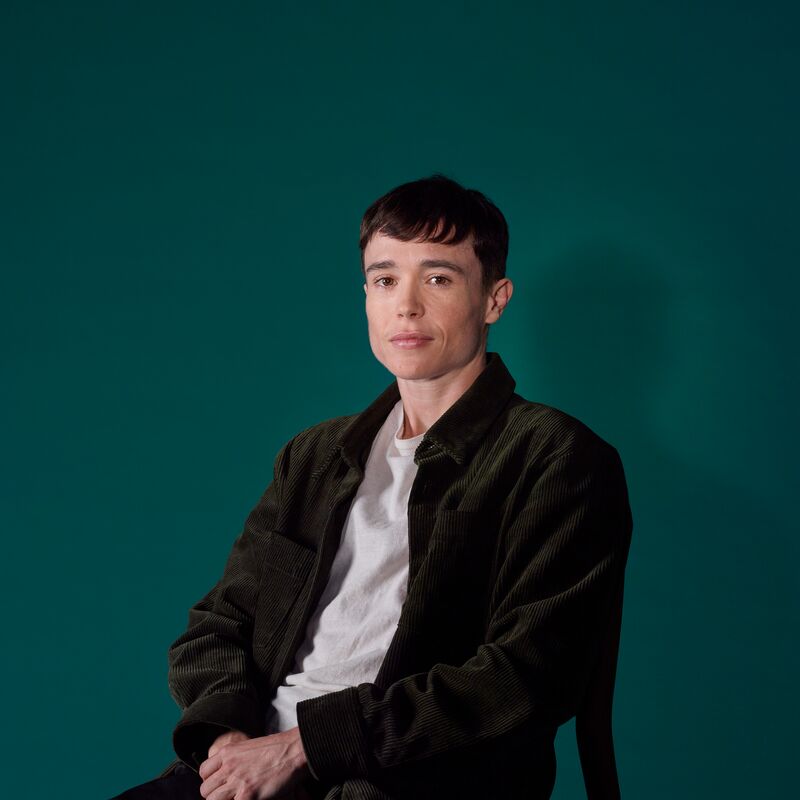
(225, 738)
(254, 769)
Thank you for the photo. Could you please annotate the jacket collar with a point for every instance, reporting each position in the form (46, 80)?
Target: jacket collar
(457, 432)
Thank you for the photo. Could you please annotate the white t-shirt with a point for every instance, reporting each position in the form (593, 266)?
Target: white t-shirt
(350, 631)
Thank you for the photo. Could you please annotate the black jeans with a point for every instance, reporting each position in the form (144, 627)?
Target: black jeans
(181, 784)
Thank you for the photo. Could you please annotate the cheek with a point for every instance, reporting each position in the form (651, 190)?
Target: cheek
(374, 320)
(461, 317)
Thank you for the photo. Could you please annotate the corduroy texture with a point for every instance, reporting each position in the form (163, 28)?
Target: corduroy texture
(519, 529)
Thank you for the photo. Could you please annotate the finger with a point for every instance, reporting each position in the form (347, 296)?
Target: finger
(226, 791)
(209, 766)
(212, 783)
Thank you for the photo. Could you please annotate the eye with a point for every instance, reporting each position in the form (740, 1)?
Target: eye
(377, 281)
(442, 279)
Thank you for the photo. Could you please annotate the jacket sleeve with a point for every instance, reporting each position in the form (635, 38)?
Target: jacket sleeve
(211, 672)
(564, 552)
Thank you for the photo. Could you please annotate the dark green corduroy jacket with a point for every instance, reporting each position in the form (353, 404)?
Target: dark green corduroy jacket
(518, 528)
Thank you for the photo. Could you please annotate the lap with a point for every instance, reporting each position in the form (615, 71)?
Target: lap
(183, 783)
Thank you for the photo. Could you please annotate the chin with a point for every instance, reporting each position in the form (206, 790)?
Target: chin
(410, 371)
(405, 367)
(406, 371)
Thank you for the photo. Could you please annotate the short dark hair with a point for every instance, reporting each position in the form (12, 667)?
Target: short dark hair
(415, 210)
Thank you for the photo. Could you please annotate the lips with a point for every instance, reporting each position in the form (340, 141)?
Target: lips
(410, 340)
(410, 336)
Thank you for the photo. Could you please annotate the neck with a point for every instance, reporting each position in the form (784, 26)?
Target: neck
(426, 399)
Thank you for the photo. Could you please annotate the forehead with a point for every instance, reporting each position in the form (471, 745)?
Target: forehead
(384, 248)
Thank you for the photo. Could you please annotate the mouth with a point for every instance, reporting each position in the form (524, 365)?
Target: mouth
(407, 341)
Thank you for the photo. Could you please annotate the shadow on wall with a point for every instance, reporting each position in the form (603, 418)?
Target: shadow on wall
(598, 323)
(708, 585)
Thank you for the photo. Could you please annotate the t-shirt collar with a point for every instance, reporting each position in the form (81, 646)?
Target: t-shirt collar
(457, 432)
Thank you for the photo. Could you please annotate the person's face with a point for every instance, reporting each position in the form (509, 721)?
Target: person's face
(430, 289)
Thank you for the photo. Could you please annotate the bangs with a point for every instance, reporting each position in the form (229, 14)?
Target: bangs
(437, 209)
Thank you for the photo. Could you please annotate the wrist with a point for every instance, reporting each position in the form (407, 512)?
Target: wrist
(301, 751)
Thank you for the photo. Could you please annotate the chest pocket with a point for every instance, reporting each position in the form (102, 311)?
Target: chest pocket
(285, 569)
(450, 592)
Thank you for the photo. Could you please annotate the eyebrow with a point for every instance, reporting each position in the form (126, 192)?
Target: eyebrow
(437, 263)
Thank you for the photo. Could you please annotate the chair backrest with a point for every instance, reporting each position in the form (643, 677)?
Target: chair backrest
(593, 728)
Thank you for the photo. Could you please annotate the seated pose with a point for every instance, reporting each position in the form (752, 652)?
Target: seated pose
(427, 589)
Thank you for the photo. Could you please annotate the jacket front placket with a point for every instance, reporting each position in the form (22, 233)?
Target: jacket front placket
(407, 651)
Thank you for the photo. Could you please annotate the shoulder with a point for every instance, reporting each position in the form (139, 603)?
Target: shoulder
(309, 449)
(564, 460)
(321, 434)
(549, 433)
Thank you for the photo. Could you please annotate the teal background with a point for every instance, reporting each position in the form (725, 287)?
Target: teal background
(182, 185)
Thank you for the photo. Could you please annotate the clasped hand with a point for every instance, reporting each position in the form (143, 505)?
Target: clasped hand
(241, 768)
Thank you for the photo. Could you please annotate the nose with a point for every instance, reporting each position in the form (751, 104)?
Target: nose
(408, 301)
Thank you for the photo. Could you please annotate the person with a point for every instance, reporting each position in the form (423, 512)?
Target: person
(424, 591)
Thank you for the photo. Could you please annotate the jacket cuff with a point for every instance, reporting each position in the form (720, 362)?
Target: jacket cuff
(209, 717)
(333, 737)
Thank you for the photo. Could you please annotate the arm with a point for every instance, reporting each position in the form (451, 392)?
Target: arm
(564, 552)
(211, 672)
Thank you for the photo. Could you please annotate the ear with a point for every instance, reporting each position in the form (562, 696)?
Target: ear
(497, 300)
(365, 288)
